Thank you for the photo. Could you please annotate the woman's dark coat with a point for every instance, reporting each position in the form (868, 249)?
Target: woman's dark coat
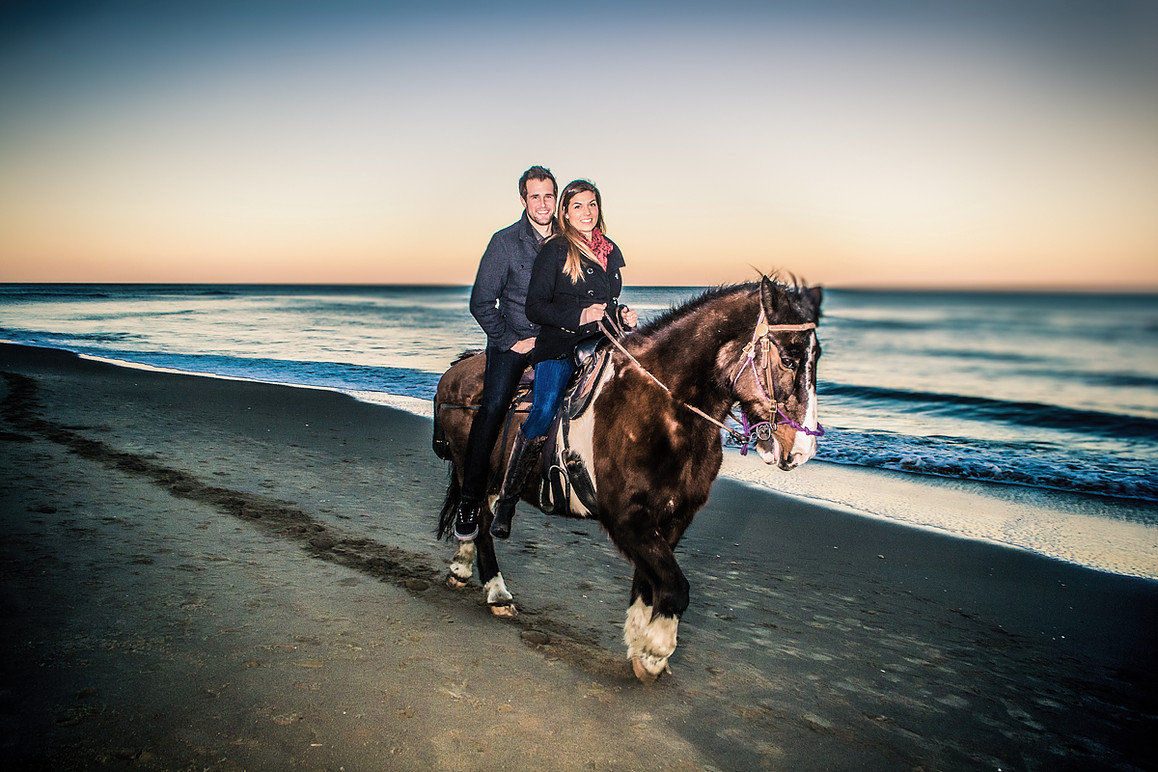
(556, 304)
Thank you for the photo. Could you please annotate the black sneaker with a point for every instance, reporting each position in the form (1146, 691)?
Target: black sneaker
(466, 521)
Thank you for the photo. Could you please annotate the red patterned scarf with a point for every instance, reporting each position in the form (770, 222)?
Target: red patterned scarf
(600, 247)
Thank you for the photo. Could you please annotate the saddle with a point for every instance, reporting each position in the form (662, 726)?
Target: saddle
(566, 484)
(567, 481)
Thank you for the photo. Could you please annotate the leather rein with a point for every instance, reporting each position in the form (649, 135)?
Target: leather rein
(762, 335)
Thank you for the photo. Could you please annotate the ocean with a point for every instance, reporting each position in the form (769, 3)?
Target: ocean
(1044, 392)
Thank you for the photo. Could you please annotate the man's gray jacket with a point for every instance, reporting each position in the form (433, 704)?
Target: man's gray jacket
(503, 275)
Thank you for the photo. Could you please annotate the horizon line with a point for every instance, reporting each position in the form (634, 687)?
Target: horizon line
(914, 289)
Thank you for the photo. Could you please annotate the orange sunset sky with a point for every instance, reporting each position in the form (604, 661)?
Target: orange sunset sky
(956, 144)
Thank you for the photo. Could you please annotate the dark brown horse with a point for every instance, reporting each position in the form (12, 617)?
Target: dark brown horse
(652, 438)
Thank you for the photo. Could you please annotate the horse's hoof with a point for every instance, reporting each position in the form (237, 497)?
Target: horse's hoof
(454, 583)
(648, 669)
(504, 610)
(641, 672)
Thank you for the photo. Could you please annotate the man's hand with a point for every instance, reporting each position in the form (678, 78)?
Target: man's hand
(628, 317)
(523, 346)
(592, 313)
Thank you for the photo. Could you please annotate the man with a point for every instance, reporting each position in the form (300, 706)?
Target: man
(498, 303)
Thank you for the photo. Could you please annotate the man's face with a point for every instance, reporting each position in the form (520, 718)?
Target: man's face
(540, 201)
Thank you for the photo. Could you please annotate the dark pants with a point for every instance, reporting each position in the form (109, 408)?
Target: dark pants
(504, 369)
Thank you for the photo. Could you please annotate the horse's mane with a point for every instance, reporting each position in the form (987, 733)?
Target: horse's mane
(793, 288)
(676, 313)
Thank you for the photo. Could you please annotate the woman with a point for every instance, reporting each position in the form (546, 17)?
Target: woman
(575, 283)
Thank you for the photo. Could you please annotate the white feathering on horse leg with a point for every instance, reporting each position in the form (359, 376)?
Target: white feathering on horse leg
(650, 640)
(638, 616)
(655, 646)
(462, 564)
(499, 599)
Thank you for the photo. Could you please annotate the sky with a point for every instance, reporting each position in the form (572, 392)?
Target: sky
(901, 143)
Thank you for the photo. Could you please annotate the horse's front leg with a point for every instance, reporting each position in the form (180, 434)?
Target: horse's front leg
(461, 566)
(500, 600)
(659, 596)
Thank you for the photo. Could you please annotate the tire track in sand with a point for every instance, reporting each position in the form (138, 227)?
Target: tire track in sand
(409, 570)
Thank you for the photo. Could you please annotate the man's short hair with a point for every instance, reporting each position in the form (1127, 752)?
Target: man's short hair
(536, 173)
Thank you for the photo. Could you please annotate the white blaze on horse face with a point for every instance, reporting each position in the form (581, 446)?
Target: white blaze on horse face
(804, 447)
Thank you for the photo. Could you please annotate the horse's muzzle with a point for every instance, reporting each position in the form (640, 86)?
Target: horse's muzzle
(801, 452)
(772, 454)
(769, 451)
(795, 459)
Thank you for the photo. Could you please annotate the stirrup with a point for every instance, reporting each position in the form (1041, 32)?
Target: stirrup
(466, 520)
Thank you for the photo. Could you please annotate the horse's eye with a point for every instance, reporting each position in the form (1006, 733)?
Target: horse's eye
(788, 361)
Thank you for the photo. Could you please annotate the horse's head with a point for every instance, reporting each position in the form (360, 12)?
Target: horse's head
(775, 379)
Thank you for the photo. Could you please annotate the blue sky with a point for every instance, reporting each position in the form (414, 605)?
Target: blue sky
(858, 144)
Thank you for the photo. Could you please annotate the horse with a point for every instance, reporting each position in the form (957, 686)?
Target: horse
(653, 441)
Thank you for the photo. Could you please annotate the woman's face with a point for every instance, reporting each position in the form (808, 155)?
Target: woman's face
(582, 212)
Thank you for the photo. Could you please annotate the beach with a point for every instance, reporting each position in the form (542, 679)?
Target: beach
(202, 573)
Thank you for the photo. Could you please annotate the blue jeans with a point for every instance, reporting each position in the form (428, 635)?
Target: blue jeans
(551, 377)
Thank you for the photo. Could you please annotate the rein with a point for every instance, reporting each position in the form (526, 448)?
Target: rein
(615, 341)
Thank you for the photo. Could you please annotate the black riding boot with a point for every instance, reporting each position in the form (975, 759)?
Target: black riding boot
(466, 520)
(523, 456)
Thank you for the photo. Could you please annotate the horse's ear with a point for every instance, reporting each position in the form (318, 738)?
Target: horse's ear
(769, 297)
(815, 295)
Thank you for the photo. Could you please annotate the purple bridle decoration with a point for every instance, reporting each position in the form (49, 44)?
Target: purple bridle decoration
(750, 430)
(817, 432)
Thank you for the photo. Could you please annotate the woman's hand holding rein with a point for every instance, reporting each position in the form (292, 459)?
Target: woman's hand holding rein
(592, 313)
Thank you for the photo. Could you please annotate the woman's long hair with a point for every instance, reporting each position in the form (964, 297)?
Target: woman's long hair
(577, 244)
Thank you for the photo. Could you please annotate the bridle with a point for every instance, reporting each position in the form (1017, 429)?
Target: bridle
(762, 337)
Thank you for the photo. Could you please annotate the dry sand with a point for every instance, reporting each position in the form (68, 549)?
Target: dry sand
(204, 574)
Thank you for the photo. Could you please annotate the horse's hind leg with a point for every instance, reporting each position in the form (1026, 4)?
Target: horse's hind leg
(500, 600)
(462, 564)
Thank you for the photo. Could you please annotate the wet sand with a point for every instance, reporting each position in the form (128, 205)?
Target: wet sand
(208, 574)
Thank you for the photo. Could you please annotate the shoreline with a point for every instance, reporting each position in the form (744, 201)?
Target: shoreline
(1117, 541)
(236, 575)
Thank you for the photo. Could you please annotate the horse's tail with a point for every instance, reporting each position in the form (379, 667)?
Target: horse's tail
(450, 506)
(439, 441)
